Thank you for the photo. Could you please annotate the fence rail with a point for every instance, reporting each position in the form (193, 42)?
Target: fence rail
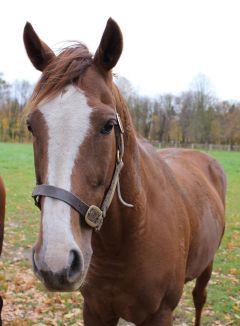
(206, 147)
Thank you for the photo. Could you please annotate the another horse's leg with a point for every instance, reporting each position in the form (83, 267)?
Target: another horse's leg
(91, 319)
(1, 305)
(200, 293)
(163, 317)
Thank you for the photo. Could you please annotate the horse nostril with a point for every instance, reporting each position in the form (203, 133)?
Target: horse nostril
(74, 265)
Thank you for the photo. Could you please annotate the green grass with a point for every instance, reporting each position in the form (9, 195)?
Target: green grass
(22, 226)
(16, 167)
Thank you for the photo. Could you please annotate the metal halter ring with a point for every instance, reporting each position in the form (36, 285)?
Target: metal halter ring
(94, 217)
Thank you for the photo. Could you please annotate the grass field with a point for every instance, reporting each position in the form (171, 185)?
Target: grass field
(28, 303)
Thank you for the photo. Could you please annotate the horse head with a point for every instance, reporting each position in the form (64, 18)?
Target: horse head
(76, 132)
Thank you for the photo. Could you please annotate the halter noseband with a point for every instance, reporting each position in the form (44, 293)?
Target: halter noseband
(93, 215)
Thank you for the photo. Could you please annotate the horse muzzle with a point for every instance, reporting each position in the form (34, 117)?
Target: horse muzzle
(69, 278)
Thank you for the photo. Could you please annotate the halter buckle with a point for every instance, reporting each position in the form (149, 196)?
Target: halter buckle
(94, 217)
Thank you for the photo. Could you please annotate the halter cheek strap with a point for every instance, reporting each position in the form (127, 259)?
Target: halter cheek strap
(93, 215)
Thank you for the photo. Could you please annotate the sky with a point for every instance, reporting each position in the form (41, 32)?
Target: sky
(166, 42)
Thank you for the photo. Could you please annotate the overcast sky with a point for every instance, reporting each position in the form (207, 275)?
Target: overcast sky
(166, 43)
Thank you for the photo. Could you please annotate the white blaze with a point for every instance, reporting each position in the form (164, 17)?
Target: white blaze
(68, 120)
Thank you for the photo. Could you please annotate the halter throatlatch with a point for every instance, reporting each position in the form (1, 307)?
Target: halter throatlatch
(93, 215)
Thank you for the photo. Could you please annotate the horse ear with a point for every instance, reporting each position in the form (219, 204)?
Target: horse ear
(110, 47)
(38, 52)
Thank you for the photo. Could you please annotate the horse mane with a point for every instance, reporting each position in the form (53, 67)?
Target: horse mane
(67, 67)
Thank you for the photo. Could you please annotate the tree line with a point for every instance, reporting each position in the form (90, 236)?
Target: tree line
(194, 116)
(13, 99)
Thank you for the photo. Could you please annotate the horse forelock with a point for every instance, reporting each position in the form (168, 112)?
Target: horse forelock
(66, 68)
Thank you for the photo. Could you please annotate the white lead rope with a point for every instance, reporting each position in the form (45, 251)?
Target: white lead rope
(120, 196)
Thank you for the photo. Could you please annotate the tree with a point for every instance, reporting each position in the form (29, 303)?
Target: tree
(21, 92)
(186, 116)
(203, 98)
(4, 90)
(13, 99)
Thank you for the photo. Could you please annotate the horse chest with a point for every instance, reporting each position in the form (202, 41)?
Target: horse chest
(131, 302)
(130, 293)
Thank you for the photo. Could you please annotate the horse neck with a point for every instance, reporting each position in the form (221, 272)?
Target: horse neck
(122, 223)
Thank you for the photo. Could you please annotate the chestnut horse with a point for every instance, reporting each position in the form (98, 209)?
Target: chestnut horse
(130, 240)
(2, 215)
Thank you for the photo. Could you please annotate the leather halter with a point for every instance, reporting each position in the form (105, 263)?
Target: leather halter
(93, 215)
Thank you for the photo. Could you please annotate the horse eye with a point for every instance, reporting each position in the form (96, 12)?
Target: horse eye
(107, 128)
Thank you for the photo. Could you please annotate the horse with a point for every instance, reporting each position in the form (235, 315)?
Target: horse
(124, 224)
(2, 216)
